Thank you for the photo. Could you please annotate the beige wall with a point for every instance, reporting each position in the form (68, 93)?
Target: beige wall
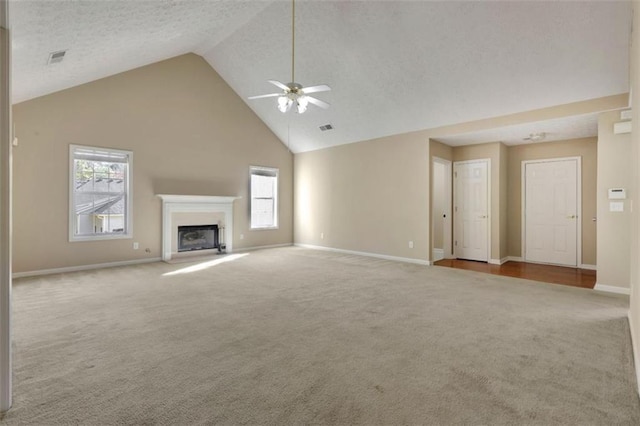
(338, 190)
(634, 302)
(606, 103)
(440, 150)
(614, 171)
(492, 151)
(190, 134)
(584, 148)
(370, 197)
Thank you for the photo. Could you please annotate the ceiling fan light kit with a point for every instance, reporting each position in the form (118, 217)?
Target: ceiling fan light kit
(285, 103)
(535, 137)
(294, 94)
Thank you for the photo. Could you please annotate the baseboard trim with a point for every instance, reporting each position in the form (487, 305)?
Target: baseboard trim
(589, 267)
(367, 254)
(84, 267)
(498, 261)
(438, 254)
(236, 250)
(612, 289)
(635, 350)
(514, 259)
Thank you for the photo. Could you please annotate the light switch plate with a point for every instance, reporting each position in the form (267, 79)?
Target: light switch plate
(616, 206)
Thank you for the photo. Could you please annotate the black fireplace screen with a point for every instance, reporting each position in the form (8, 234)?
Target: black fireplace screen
(197, 237)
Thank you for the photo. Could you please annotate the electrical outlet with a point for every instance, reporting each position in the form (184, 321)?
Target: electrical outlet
(242, 236)
(410, 244)
(136, 246)
(322, 235)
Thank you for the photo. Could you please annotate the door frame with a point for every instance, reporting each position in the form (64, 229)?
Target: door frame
(489, 209)
(6, 210)
(523, 206)
(447, 234)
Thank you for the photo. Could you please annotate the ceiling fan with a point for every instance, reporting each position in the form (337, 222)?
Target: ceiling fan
(294, 94)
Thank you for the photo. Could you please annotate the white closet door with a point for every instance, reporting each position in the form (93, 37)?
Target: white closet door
(551, 212)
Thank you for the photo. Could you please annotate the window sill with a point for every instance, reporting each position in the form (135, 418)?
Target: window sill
(81, 238)
(265, 228)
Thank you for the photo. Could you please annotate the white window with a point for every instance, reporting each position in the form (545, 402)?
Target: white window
(264, 197)
(100, 193)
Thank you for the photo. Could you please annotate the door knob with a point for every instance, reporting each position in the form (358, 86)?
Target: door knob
(483, 217)
(573, 216)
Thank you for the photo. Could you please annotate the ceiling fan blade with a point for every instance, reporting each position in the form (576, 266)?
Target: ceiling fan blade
(270, 95)
(314, 89)
(279, 85)
(318, 102)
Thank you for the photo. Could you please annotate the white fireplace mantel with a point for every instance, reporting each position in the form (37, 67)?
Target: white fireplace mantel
(173, 203)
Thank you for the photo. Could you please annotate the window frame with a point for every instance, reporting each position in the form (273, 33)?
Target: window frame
(128, 220)
(276, 210)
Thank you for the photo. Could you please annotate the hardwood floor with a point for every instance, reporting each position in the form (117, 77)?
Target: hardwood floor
(531, 271)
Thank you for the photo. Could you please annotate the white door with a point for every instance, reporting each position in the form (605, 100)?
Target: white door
(551, 212)
(471, 210)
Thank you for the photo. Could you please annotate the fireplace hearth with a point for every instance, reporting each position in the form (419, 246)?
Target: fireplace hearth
(198, 237)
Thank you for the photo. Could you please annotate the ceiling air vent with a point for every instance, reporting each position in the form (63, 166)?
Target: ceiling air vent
(56, 57)
(326, 127)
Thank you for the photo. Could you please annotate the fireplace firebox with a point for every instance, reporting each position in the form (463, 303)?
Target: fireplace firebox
(198, 237)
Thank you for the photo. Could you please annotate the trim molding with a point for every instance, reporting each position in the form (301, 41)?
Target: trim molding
(498, 261)
(612, 289)
(438, 254)
(262, 247)
(367, 254)
(514, 259)
(84, 267)
(589, 267)
(6, 149)
(635, 350)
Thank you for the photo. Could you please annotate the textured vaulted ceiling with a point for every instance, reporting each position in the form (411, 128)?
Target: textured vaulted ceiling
(106, 37)
(394, 66)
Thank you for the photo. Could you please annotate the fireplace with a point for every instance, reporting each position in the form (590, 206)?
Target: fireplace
(173, 204)
(198, 237)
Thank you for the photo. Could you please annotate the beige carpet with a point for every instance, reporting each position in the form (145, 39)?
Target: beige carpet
(294, 336)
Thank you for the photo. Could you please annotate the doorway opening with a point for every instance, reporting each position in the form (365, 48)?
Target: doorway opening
(441, 228)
